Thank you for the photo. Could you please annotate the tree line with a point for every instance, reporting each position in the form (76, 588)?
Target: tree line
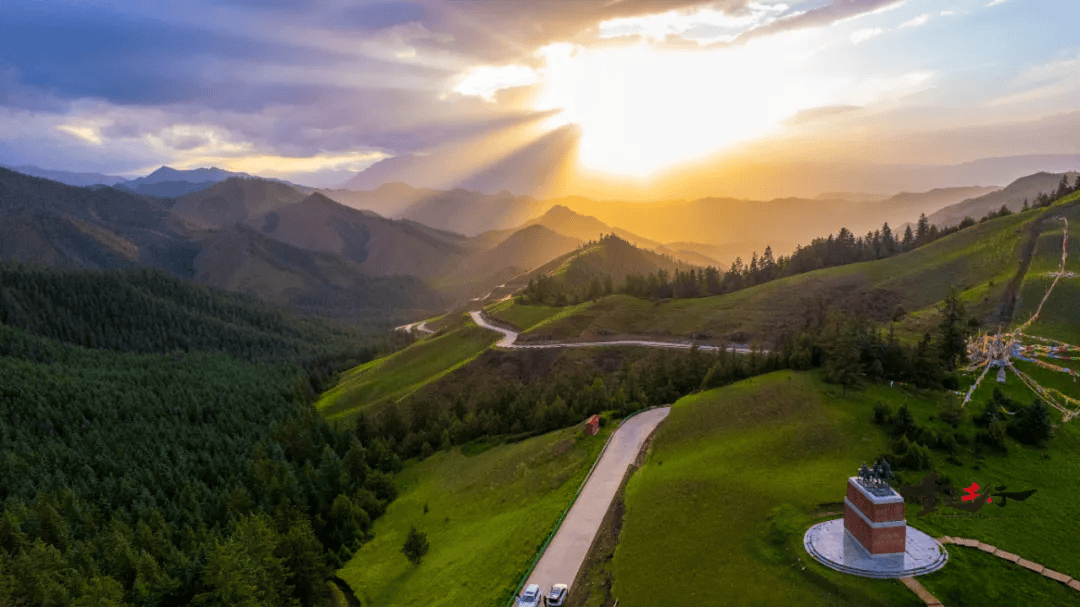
(148, 310)
(843, 248)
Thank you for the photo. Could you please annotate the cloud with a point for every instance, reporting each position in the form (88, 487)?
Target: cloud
(704, 25)
(378, 15)
(996, 2)
(86, 133)
(832, 12)
(822, 113)
(862, 35)
(1056, 70)
(485, 81)
(917, 21)
(126, 58)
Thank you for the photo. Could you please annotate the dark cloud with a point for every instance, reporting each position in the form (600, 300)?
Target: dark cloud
(134, 60)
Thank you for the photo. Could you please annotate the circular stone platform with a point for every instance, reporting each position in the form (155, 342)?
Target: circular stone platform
(833, 547)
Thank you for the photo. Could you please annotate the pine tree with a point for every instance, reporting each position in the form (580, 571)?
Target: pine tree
(843, 362)
(416, 546)
(1063, 187)
(952, 333)
(922, 230)
(1032, 424)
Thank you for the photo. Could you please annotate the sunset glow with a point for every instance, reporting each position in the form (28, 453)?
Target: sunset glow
(473, 94)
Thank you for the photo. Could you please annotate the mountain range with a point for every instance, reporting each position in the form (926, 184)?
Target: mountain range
(50, 223)
(287, 244)
(1012, 196)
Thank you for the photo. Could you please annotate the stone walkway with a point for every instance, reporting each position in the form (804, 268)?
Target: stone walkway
(1014, 558)
(923, 594)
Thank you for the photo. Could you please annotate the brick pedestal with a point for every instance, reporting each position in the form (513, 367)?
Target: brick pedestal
(875, 522)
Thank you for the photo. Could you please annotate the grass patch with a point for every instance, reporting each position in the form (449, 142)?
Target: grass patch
(393, 377)
(487, 516)
(697, 529)
(716, 514)
(523, 316)
(973, 577)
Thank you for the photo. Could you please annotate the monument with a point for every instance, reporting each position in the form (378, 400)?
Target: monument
(873, 539)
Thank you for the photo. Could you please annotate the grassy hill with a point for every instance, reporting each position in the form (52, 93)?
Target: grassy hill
(485, 517)
(392, 378)
(702, 524)
(979, 262)
(610, 256)
(1059, 313)
(522, 251)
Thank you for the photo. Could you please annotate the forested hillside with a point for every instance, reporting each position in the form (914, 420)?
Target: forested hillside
(158, 444)
(146, 310)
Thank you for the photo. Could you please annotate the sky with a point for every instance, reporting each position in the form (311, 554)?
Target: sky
(317, 90)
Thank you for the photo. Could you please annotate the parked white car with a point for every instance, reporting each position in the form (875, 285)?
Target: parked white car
(531, 596)
(557, 596)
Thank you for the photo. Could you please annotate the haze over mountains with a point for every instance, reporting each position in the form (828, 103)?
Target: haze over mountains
(422, 248)
(768, 177)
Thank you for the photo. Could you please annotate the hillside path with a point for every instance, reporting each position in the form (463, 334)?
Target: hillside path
(1057, 576)
(566, 552)
(510, 337)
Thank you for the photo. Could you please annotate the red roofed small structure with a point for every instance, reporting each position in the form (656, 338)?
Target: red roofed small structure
(592, 425)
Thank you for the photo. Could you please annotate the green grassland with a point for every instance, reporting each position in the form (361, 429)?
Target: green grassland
(978, 262)
(393, 377)
(697, 528)
(1033, 528)
(487, 515)
(526, 317)
(695, 531)
(1060, 314)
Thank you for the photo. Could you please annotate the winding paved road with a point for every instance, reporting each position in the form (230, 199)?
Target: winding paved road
(566, 552)
(510, 337)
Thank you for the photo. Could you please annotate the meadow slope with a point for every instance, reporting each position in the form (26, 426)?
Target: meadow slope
(485, 516)
(736, 475)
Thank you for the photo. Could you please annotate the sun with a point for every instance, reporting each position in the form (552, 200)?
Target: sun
(643, 110)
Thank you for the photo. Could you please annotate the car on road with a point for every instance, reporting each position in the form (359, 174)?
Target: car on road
(557, 596)
(531, 596)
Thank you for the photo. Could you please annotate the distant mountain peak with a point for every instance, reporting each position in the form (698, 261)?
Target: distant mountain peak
(320, 198)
